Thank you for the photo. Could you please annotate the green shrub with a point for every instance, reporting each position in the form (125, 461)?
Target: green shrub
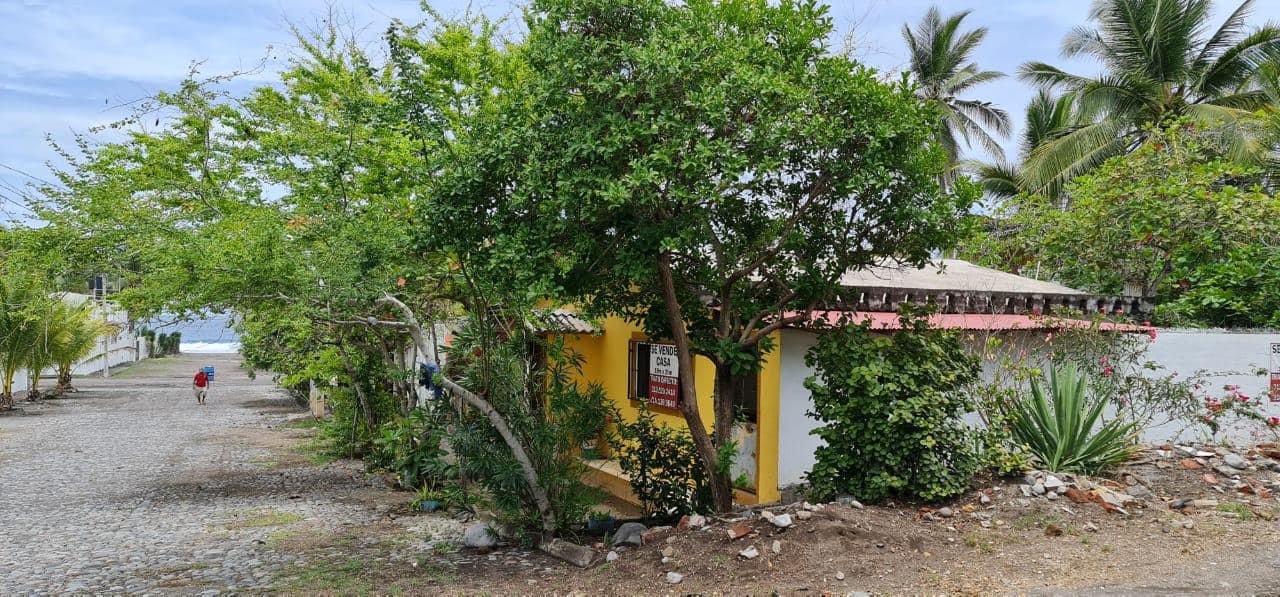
(411, 448)
(890, 404)
(1060, 433)
(665, 471)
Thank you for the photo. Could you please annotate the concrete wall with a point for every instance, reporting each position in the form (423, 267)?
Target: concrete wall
(1239, 353)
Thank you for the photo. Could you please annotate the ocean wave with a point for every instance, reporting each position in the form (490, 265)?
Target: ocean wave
(209, 347)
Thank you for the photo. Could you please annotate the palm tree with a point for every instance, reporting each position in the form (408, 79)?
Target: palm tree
(1048, 116)
(20, 302)
(81, 332)
(942, 70)
(1158, 65)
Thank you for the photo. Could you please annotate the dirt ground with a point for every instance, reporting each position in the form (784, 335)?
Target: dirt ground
(1025, 546)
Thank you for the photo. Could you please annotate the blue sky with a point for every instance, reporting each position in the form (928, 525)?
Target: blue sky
(67, 65)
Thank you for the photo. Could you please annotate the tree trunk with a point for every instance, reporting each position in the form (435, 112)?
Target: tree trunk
(64, 380)
(708, 449)
(361, 398)
(477, 402)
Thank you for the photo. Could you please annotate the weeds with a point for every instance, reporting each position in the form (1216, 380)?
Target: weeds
(255, 519)
(1241, 512)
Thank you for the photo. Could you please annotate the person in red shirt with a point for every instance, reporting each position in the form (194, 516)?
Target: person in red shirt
(200, 385)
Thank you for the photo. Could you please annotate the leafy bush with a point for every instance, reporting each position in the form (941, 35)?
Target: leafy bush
(664, 468)
(1060, 432)
(891, 406)
(549, 413)
(411, 448)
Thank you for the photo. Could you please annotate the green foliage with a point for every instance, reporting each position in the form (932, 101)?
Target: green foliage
(1174, 221)
(1065, 431)
(889, 404)
(663, 467)
(710, 140)
(549, 413)
(411, 447)
(1162, 61)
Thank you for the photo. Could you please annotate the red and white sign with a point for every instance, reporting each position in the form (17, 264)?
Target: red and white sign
(1275, 372)
(664, 376)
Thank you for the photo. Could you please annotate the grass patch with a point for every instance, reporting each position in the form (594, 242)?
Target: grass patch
(444, 548)
(1108, 549)
(257, 519)
(1241, 512)
(1035, 520)
(304, 423)
(978, 542)
(333, 577)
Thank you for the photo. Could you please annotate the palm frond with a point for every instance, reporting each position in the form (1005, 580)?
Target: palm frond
(1057, 161)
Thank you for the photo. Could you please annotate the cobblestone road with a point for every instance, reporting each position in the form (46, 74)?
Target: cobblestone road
(129, 486)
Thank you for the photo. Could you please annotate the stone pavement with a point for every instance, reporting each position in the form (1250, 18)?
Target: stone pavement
(130, 487)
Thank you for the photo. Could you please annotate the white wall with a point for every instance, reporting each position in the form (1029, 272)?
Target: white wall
(1184, 351)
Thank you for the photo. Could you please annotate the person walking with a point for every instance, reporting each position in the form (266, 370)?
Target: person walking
(200, 385)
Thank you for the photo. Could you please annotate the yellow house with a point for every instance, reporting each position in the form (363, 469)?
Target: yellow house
(610, 354)
(776, 447)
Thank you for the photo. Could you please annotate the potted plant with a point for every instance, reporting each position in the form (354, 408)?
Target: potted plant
(600, 522)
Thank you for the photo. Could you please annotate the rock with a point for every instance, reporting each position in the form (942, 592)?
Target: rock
(570, 552)
(811, 507)
(848, 500)
(697, 521)
(666, 560)
(653, 534)
(750, 553)
(1188, 524)
(1052, 483)
(767, 515)
(839, 576)
(1038, 488)
(1032, 477)
(1210, 478)
(1227, 471)
(674, 577)
(1077, 496)
(1180, 504)
(1204, 454)
(1139, 491)
(1052, 530)
(804, 515)
(985, 500)
(480, 535)
(781, 521)
(739, 531)
(776, 547)
(612, 556)
(1189, 464)
(1205, 503)
(946, 512)
(1026, 490)
(669, 552)
(1052, 495)
(1089, 526)
(1235, 461)
(629, 534)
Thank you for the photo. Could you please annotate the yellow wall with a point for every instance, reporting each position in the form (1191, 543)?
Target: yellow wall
(606, 357)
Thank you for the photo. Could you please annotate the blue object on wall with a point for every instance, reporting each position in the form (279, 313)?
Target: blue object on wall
(427, 379)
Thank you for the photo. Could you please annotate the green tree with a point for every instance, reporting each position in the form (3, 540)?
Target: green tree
(942, 70)
(1174, 221)
(23, 308)
(78, 336)
(698, 168)
(1158, 66)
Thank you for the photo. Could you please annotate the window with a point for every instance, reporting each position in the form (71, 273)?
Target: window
(746, 402)
(646, 382)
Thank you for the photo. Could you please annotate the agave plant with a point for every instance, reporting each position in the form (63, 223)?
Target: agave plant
(1059, 431)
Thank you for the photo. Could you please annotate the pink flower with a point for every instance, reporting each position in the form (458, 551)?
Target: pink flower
(1103, 360)
(1048, 337)
(1152, 333)
(1273, 422)
(1106, 371)
(1231, 387)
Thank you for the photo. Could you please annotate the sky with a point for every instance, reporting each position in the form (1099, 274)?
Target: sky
(69, 65)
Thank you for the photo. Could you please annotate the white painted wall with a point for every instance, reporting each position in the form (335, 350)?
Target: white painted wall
(1181, 350)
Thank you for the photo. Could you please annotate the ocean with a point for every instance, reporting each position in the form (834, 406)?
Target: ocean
(208, 335)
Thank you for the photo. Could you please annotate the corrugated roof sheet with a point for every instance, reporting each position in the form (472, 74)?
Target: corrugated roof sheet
(973, 321)
(560, 321)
